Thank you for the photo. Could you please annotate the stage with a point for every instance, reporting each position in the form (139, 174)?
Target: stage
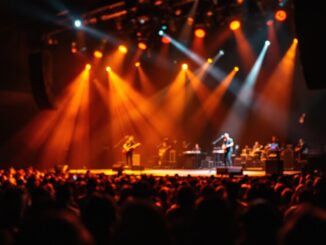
(181, 172)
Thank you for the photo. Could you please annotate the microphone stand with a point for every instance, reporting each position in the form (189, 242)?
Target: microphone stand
(218, 139)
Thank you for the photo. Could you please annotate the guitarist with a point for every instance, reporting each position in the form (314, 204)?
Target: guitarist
(228, 149)
(162, 153)
(128, 148)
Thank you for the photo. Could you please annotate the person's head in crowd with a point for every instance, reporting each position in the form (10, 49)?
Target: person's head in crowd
(306, 226)
(260, 223)
(141, 223)
(99, 214)
(54, 227)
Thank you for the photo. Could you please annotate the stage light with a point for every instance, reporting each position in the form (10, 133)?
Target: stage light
(108, 68)
(221, 52)
(269, 22)
(210, 60)
(137, 64)
(190, 20)
(178, 12)
(295, 40)
(200, 32)
(88, 66)
(98, 54)
(142, 45)
(209, 13)
(73, 47)
(267, 42)
(235, 25)
(165, 40)
(158, 2)
(164, 27)
(184, 66)
(78, 23)
(161, 33)
(236, 68)
(123, 49)
(280, 15)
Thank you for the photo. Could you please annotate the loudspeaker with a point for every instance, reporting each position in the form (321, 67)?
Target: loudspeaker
(274, 167)
(136, 159)
(118, 167)
(311, 35)
(41, 78)
(231, 171)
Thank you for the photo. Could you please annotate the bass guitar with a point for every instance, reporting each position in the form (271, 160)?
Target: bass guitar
(127, 148)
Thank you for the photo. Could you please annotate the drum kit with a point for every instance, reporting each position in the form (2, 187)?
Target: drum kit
(249, 155)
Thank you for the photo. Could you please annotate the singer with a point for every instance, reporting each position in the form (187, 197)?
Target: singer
(228, 149)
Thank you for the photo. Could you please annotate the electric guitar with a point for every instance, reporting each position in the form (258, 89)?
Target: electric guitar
(127, 148)
(163, 150)
(225, 147)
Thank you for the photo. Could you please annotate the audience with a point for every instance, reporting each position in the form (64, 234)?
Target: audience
(51, 207)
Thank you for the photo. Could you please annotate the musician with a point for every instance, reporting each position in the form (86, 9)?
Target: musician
(256, 151)
(197, 148)
(162, 153)
(273, 148)
(198, 156)
(301, 150)
(228, 149)
(128, 148)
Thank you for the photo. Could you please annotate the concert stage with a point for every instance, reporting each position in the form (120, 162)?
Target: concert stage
(181, 172)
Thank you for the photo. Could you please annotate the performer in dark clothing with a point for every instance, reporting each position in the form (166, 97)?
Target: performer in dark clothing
(228, 149)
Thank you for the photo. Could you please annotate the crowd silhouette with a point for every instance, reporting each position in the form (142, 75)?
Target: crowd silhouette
(48, 207)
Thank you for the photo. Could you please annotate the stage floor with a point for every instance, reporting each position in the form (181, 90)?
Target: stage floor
(171, 172)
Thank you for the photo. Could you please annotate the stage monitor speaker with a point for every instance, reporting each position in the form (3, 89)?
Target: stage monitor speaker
(41, 78)
(136, 159)
(274, 167)
(118, 167)
(311, 35)
(231, 171)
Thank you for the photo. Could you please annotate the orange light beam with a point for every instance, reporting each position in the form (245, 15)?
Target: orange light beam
(205, 113)
(246, 52)
(275, 98)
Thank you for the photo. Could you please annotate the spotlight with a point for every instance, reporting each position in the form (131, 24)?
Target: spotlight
(137, 64)
(235, 25)
(165, 40)
(142, 45)
(221, 52)
(78, 23)
(184, 66)
(280, 15)
(236, 68)
(108, 68)
(164, 27)
(209, 60)
(267, 43)
(178, 12)
(200, 32)
(161, 33)
(158, 2)
(88, 67)
(295, 40)
(123, 49)
(269, 22)
(98, 54)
